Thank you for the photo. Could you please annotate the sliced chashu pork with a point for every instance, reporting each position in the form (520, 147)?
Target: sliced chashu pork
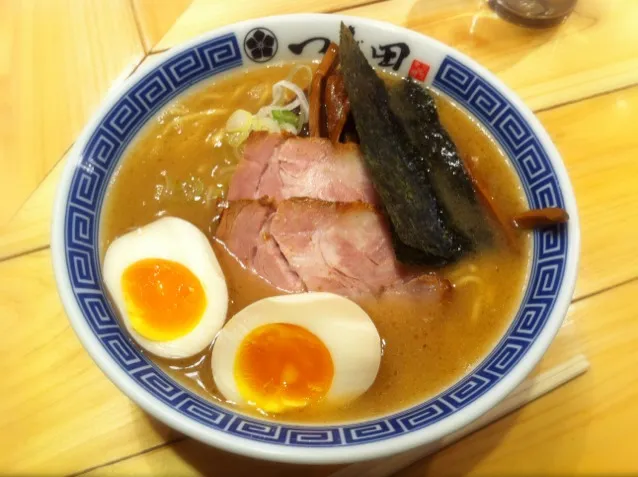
(339, 247)
(282, 167)
(244, 230)
(308, 244)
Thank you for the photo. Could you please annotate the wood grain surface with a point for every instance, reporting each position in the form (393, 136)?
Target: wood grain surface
(30, 228)
(60, 415)
(205, 15)
(594, 51)
(58, 59)
(584, 427)
(536, 385)
(156, 17)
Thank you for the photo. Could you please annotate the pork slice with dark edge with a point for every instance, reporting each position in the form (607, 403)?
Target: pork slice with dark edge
(244, 231)
(339, 247)
(314, 245)
(282, 167)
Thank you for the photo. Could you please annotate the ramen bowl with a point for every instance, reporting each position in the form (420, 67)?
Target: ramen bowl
(98, 151)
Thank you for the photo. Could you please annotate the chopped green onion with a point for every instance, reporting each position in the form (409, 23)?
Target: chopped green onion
(285, 116)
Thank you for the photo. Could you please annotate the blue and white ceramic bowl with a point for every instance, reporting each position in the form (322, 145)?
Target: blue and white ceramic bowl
(98, 151)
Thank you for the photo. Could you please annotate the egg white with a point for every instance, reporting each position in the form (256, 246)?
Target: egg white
(173, 239)
(342, 326)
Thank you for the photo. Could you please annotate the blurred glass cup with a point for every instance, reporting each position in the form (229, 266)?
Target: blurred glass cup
(534, 13)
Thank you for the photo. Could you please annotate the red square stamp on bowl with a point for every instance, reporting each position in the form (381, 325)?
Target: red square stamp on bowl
(419, 70)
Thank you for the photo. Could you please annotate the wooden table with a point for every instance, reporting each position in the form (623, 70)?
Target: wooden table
(58, 58)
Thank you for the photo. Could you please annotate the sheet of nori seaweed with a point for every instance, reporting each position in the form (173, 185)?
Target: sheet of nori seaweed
(419, 221)
(416, 109)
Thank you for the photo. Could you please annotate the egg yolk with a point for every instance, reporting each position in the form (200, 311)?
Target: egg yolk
(164, 299)
(280, 367)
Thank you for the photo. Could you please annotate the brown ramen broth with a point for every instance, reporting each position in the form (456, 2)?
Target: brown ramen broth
(181, 166)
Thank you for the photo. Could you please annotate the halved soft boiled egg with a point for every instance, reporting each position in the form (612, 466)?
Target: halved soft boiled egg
(168, 286)
(287, 352)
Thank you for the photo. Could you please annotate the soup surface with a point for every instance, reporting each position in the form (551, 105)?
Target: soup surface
(181, 166)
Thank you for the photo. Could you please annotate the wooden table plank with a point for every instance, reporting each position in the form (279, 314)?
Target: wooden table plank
(574, 429)
(58, 413)
(585, 427)
(156, 17)
(57, 60)
(30, 228)
(594, 51)
(204, 15)
(600, 149)
(533, 387)
(591, 135)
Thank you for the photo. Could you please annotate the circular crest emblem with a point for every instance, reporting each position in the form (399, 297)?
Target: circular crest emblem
(260, 44)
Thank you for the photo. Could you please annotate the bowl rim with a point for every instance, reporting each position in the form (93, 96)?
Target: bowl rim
(349, 452)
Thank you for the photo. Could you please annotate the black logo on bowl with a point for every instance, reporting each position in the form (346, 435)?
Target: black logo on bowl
(322, 41)
(260, 44)
(297, 48)
(391, 55)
